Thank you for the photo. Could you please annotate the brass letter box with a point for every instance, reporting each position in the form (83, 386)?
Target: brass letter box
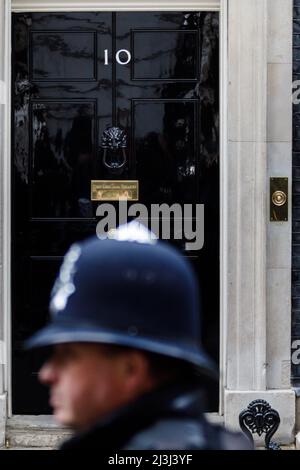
(114, 190)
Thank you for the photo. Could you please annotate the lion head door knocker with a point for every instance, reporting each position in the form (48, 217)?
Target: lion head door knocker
(114, 144)
(260, 418)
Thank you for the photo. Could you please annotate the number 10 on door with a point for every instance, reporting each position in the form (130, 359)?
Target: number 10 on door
(123, 57)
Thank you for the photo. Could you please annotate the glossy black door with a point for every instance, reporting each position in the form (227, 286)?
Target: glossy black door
(154, 75)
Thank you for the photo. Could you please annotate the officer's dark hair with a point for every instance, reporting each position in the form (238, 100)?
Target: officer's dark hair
(161, 367)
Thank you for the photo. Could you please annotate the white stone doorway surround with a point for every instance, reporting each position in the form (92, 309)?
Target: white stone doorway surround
(256, 140)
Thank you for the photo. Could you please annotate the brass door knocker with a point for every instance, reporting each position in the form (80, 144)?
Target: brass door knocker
(114, 144)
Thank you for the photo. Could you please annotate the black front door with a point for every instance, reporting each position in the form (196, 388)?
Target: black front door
(153, 75)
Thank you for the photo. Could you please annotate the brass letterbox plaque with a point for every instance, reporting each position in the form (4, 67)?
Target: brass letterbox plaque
(114, 190)
(279, 199)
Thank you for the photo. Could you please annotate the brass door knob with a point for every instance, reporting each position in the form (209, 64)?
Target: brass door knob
(279, 198)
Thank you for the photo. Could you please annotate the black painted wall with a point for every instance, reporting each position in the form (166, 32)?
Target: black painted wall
(296, 205)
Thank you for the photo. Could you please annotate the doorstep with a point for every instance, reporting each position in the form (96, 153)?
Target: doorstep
(34, 432)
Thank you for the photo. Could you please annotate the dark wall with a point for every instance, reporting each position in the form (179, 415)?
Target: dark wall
(296, 205)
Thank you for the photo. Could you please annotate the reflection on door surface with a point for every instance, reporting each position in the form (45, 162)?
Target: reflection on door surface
(155, 77)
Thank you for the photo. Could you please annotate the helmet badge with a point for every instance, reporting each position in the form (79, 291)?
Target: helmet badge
(64, 285)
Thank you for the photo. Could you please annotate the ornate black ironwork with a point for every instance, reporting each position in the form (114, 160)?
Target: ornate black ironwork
(114, 139)
(260, 418)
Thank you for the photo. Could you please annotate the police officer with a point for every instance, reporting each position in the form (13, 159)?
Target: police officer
(126, 368)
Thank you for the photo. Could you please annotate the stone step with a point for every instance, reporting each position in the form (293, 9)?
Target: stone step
(34, 432)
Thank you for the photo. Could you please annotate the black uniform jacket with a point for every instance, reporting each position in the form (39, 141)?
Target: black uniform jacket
(170, 418)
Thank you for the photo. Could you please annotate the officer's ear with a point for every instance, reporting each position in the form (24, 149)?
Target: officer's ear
(135, 363)
(136, 371)
(131, 365)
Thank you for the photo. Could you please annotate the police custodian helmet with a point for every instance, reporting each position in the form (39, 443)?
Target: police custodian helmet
(129, 290)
